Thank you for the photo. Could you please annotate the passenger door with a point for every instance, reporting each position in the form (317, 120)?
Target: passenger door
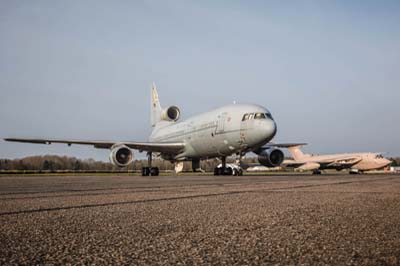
(245, 126)
(221, 124)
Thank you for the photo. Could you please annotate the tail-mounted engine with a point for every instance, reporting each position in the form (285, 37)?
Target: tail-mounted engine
(171, 113)
(121, 155)
(271, 158)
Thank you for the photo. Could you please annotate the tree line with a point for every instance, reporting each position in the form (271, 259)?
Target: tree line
(59, 163)
(395, 161)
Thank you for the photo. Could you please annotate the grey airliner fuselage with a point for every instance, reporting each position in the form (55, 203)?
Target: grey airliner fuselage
(232, 129)
(221, 132)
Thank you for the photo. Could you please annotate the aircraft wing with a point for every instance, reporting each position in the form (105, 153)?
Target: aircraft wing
(281, 145)
(345, 162)
(163, 147)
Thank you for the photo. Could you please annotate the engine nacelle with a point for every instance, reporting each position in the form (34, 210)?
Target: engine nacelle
(121, 155)
(171, 113)
(271, 158)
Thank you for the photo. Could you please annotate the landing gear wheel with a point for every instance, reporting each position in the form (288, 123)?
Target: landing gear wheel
(154, 171)
(221, 171)
(355, 172)
(237, 172)
(216, 171)
(316, 172)
(228, 171)
(145, 171)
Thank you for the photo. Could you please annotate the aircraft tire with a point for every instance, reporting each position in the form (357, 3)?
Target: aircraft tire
(216, 171)
(145, 171)
(221, 171)
(237, 172)
(154, 171)
(228, 171)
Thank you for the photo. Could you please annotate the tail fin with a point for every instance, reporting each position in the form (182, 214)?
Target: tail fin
(155, 106)
(296, 152)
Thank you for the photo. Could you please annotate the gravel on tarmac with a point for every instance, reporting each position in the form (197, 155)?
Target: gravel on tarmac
(200, 220)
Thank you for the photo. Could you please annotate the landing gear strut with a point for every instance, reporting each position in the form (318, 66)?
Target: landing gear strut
(152, 171)
(196, 166)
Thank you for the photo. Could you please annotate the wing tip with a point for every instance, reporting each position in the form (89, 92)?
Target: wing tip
(39, 141)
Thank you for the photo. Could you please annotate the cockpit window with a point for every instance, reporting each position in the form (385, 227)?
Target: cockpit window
(379, 156)
(256, 116)
(259, 116)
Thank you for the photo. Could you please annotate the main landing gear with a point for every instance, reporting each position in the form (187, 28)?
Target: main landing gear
(317, 172)
(150, 171)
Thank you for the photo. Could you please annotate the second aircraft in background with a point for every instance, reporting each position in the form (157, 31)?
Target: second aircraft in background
(356, 162)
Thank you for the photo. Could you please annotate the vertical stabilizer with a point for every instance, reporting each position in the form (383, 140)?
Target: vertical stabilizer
(296, 153)
(155, 106)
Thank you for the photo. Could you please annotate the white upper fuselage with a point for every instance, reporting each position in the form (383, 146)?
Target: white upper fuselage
(220, 132)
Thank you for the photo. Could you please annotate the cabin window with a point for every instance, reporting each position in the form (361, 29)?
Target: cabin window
(259, 116)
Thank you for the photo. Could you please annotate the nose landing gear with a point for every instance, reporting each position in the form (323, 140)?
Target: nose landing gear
(230, 169)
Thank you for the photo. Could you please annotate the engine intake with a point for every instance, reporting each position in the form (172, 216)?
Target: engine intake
(121, 156)
(272, 158)
(171, 113)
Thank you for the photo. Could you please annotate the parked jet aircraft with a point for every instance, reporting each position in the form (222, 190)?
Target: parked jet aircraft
(232, 129)
(357, 162)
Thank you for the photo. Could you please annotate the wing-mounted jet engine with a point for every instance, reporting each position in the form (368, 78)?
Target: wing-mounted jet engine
(271, 158)
(171, 113)
(121, 155)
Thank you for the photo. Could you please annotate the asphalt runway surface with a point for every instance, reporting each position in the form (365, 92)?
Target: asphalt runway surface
(201, 220)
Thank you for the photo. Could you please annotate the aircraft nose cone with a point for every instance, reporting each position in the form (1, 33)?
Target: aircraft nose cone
(387, 162)
(269, 129)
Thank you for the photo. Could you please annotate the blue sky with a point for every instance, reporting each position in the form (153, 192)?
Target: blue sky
(329, 71)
